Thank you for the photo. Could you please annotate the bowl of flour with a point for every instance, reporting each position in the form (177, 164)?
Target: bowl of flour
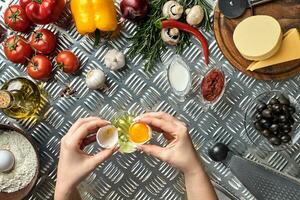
(20, 180)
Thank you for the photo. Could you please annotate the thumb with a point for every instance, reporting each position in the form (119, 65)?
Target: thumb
(103, 155)
(153, 150)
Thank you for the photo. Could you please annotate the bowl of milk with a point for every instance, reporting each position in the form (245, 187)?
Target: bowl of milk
(179, 76)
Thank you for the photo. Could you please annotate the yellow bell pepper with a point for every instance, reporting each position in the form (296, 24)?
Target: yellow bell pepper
(90, 15)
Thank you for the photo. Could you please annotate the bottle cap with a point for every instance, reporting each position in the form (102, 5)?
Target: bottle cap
(5, 99)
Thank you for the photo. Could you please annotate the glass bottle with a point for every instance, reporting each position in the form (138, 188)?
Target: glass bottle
(20, 98)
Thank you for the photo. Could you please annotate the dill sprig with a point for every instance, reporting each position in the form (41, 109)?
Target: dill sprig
(147, 41)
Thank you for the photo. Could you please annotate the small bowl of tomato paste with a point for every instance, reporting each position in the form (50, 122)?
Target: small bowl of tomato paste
(213, 86)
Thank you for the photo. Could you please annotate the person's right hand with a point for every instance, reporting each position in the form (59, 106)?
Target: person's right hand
(180, 151)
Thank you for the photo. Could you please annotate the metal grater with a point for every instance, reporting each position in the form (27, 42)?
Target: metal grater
(263, 182)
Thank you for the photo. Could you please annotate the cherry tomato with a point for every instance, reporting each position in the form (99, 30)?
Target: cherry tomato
(43, 41)
(43, 11)
(67, 61)
(16, 49)
(39, 67)
(15, 17)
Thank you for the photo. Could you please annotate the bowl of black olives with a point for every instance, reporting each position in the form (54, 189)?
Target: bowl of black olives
(271, 121)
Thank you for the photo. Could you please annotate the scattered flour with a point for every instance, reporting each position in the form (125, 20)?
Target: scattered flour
(25, 162)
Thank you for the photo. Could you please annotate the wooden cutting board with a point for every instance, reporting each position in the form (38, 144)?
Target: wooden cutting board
(287, 12)
(21, 194)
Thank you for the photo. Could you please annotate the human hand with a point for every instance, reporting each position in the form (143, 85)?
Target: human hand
(180, 151)
(74, 164)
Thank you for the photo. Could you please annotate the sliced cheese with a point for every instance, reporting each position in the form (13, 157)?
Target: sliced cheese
(289, 50)
(258, 37)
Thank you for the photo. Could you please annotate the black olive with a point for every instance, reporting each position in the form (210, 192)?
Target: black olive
(292, 109)
(274, 127)
(285, 138)
(283, 118)
(275, 119)
(218, 152)
(283, 100)
(275, 141)
(265, 123)
(258, 116)
(266, 133)
(287, 131)
(269, 107)
(258, 126)
(267, 113)
(274, 101)
(261, 106)
(276, 108)
(286, 127)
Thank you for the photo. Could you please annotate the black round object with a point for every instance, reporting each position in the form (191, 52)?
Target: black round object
(274, 101)
(218, 152)
(261, 106)
(275, 141)
(283, 100)
(265, 123)
(274, 127)
(258, 116)
(276, 108)
(258, 126)
(287, 127)
(285, 108)
(266, 133)
(275, 119)
(283, 118)
(292, 109)
(232, 8)
(285, 138)
(267, 113)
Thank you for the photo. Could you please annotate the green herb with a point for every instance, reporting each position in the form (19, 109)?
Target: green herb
(147, 41)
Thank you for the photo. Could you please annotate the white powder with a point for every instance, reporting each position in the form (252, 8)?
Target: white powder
(25, 162)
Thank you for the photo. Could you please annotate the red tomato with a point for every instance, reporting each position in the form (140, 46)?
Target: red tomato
(43, 41)
(39, 67)
(68, 61)
(43, 11)
(16, 49)
(16, 18)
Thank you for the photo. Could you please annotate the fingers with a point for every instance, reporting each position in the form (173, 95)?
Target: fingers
(160, 115)
(153, 150)
(87, 141)
(79, 123)
(102, 156)
(84, 130)
(164, 125)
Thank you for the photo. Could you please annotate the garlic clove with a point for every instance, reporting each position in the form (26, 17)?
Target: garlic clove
(114, 59)
(95, 79)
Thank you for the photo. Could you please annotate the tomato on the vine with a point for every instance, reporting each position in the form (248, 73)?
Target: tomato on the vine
(43, 41)
(67, 61)
(39, 67)
(15, 17)
(16, 49)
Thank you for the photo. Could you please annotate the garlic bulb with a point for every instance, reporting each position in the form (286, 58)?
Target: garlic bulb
(170, 36)
(194, 15)
(114, 59)
(95, 79)
(172, 10)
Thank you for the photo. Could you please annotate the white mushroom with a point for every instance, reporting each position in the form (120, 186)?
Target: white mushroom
(194, 15)
(172, 10)
(114, 59)
(95, 79)
(170, 36)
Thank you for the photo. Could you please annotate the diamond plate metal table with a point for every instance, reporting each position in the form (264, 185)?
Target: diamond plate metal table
(137, 176)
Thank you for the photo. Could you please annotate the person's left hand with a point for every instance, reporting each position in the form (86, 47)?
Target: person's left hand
(74, 164)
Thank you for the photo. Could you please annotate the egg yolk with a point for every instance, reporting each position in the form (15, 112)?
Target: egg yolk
(139, 133)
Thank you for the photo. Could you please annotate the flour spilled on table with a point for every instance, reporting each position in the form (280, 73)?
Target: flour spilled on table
(25, 162)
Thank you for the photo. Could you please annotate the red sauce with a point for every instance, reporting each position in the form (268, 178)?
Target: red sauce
(212, 85)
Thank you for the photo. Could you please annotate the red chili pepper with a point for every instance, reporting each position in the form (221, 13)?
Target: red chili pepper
(187, 28)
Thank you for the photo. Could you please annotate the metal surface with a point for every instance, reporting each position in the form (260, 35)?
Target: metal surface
(263, 182)
(137, 176)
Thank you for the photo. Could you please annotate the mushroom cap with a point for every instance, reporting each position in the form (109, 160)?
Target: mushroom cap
(172, 10)
(170, 36)
(195, 15)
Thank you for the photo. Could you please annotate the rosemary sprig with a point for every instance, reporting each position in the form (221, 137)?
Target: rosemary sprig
(147, 41)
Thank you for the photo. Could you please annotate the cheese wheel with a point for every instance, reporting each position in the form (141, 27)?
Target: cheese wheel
(258, 37)
(289, 50)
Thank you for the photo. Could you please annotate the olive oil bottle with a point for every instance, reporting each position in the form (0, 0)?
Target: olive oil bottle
(20, 98)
